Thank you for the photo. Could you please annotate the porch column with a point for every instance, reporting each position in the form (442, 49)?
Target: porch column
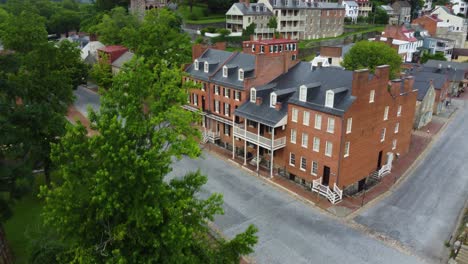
(245, 142)
(258, 145)
(272, 152)
(233, 140)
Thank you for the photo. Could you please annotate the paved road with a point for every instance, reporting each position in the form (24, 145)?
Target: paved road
(289, 230)
(422, 212)
(85, 98)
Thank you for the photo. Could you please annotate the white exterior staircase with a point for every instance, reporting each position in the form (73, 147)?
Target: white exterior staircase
(334, 196)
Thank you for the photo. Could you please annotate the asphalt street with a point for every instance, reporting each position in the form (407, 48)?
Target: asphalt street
(422, 212)
(84, 98)
(290, 231)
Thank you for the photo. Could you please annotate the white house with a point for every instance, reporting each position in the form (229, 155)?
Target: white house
(352, 10)
(459, 7)
(451, 26)
(244, 13)
(89, 52)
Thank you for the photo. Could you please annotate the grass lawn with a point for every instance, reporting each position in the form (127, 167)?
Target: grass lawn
(26, 217)
(308, 43)
(207, 20)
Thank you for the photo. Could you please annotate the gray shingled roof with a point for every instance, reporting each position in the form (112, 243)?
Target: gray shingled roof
(286, 86)
(236, 62)
(455, 71)
(445, 64)
(251, 10)
(292, 4)
(217, 58)
(422, 82)
(127, 56)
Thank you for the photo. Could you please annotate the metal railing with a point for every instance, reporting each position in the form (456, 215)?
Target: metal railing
(259, 140)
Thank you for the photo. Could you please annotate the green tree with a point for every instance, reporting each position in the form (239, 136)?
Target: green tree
(23, 32)
(116, 204)
(366, 54)
(106, 5)
(248, 31)
(102, 72)
(63, 21)
(110, 28)
(379, 16)
(273, 22)
(437, 56)
(163, 27)
(71, 63)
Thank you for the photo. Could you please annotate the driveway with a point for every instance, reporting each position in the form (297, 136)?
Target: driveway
(290, 231)
(422, 212)
(84, 98)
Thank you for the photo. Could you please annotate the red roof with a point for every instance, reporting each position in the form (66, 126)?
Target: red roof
(398, 33)
(362, 1)
(275, 41)
(113, 48)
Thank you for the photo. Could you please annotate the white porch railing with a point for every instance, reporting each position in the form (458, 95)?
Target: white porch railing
(334, 196)
(259, 140)
(386, 169)
(211, 136)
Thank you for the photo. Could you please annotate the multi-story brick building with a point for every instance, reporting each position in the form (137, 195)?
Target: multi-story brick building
(324, 127)
(296, 18)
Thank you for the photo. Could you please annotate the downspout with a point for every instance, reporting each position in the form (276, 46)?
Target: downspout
(340, 157)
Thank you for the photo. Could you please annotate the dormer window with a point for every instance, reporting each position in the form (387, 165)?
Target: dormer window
(329, 98)
(225, 72)
(195, 65)
(207, 67)
(273, 99)
(258, 8)
(303, 93)
(264, 9)
(253, 95)
(241, 74)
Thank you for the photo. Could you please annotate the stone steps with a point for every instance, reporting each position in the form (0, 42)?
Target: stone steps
(462, 257)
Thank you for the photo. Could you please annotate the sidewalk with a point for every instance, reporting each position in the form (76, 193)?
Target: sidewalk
(74, 115)
(420, 139)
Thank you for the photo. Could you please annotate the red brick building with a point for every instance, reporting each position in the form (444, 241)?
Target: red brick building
(324, 127)
(112, 52)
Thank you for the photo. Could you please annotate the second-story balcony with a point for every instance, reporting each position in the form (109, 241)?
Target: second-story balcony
(268, 143)
(234, 21)
(292, 18)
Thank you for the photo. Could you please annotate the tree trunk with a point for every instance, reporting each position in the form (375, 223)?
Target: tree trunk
(5, 253)
(47, 172)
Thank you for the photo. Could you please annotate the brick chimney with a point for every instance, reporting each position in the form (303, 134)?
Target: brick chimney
(360, 80)
(382, 71)
(258, 101)
(395, 87)
(246, 2)
(408, 84)
(198, 49)
(278, 106)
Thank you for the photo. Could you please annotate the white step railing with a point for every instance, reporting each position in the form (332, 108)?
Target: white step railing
(334, 196)
(385, 170)
(211, 136)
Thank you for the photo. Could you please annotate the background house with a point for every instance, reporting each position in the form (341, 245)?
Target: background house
(365, 7)
(89, 53)
(456, 72)
(402, 9)
(392, 16)
(331, 55)
(451, 27)
(118, 64)
(352, 10)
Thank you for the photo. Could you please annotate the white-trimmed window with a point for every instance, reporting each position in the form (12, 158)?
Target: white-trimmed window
(227, 92)
(305, 118)
(318, 121)
(216, 89)
(203, 88)
(385, 115)
(328, 149)
(292, 159)
(371, 96)
(305, 140)
(225, 71)
(237, 95)
(195, 99)
(253, 95)
(227, 109)
(293, 136)
(295, 113)
(262, 49)
(397, 127)
(241, 74)
(382, 134)
(195, 65)
(329, 99)
(303, 164)
(399, 111)
(206, 67)
(273, 98)
(346, 149)
(331, 125)
(253, 47)
(394, 143)
(303, 93)
(314, 169)
(227, 130)
(216, 105)
(316, 145)
(349, 125)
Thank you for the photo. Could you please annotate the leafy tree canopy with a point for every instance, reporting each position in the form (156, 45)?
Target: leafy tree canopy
(111, 27)
(273, 22)
(160, 38)
(437, 56)
(116, 204)
(367, 54)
